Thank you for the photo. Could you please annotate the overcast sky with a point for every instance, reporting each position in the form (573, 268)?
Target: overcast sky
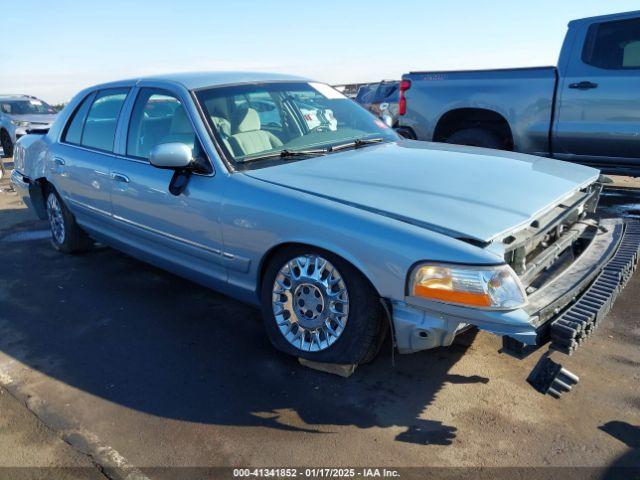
(52, 49)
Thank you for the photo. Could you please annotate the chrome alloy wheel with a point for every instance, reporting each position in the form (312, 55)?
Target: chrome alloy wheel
(56, 220)
(310, 303)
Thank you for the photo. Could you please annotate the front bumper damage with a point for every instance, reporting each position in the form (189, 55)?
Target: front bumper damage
(564, 312)
(573, 326)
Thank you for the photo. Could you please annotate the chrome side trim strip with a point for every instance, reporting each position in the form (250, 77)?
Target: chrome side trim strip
(88, 207)
(232, 261)
(168, 235)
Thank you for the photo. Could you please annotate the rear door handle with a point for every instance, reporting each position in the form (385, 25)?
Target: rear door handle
(583, 85)
(119, 177)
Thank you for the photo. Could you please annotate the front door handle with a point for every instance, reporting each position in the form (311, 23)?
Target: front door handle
(583, 85)
(58, 161)
(119, 177)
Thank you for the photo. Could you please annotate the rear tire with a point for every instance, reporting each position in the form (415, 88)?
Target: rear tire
(350, 307)
(405, 133)
(7, 145)
(477, 137)
(66, 235)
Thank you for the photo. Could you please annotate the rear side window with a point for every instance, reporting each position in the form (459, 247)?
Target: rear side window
(73, 133)
(613, 45)
(100, 126)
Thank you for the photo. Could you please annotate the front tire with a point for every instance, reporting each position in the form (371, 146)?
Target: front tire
(66, 235)
(319, 307)
(7, 144)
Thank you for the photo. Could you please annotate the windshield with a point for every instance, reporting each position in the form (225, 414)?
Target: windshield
(26, 107)
(258, 121)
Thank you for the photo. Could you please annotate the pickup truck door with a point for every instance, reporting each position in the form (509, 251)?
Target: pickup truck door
(79, 165)
(180, 233)
(598, 111)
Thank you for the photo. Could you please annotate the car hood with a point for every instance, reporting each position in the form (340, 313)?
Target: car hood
(464, 192)
(35, 118)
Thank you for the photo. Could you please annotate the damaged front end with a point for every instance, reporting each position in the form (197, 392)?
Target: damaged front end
(571, 264)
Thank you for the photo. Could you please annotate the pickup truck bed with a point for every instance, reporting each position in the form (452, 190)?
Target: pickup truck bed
(525, 94)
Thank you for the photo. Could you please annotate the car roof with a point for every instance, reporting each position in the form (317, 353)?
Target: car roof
(606, 18)
(16, 96)
(196, 80)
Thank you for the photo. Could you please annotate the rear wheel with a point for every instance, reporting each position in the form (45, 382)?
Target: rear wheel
(317, 306)
(477, 137)
(66, 235)
(405, 133)
(7, 145)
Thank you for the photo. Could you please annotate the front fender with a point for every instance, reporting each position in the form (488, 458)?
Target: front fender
(258, 216)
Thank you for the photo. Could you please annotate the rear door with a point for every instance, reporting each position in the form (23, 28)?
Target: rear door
(79, 165)
(599, 95)
(181, 233)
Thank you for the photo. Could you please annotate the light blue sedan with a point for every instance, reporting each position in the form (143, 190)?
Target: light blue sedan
(341, 231)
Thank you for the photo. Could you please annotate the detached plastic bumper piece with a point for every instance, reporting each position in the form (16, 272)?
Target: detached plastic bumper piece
(571, 328)
(549, 377)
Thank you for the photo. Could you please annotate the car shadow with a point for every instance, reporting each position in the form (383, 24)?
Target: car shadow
(137, 336)
(628, 465)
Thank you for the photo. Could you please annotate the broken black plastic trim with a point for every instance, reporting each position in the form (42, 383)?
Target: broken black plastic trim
(570, 329)
(549, 377)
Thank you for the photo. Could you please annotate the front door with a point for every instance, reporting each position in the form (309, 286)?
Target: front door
(180, 233)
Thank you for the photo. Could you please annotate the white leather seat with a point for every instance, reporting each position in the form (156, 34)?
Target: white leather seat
(181, 129)
(248, 138)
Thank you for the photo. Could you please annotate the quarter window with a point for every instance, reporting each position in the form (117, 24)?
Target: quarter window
(613, 45)
(157, 117)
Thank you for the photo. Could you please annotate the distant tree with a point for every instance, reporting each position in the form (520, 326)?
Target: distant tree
(58, 106)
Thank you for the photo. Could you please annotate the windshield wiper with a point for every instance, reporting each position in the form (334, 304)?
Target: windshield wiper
(358, 143)
(303, 153)
(288, 154)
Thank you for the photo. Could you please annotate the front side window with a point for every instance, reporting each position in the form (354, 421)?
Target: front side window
(259, 121)
(157, 117)
(99, 129)
(613, 45)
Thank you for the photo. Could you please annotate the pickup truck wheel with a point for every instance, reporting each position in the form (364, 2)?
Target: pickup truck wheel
(319, 307)
(7, 145)
(66, 235)
(476, 137)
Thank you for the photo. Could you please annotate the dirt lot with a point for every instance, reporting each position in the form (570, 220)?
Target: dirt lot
(139, 368)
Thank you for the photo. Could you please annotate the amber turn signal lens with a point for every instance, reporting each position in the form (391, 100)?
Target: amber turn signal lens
(487, 287)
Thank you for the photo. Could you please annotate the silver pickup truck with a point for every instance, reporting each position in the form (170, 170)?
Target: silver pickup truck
(585, 110)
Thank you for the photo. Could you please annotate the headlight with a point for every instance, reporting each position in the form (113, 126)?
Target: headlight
(485, 287)
(18, 123)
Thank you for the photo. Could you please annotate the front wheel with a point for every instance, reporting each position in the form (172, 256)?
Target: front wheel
(66, 235)
(317, 306)
(7, 145)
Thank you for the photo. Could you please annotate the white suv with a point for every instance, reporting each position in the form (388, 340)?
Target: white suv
(19, 113)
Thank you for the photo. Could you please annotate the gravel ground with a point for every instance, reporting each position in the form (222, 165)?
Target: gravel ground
(140, 368)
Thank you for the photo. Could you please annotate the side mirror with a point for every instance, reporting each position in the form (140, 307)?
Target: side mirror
(174, 156)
